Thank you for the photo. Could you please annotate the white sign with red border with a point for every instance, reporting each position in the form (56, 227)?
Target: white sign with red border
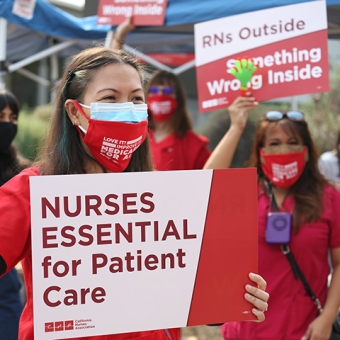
(288, 44)
(143, 12)
(115, 253)
(24, 8)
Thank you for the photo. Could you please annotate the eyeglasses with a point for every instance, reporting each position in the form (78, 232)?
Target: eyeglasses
(164, 90)
(277, 115)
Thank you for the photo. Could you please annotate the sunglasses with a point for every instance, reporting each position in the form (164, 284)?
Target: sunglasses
(277, 115)
(164, 90)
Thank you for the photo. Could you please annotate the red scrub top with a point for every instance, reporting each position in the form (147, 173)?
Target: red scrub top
(15, 245)
(291, 309)
(173, 153)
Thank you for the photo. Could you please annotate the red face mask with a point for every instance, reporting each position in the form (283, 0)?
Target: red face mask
(283, 169)
(161, 106)
(112, 143)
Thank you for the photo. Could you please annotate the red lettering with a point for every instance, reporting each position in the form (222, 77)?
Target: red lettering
(119, 230)
(127, 203)
(46, 237)
(46, 296)
(151, 262)
(87, 236)
(207, 40)
(171, 258)
(150, 204)
(71, 296)
(142, 226)
(185, 231)
(55, 210)
(101, 234)
(98, 261)
(94, 206)
(98, 294)
(64, 233)
(114, 205)
(170, 230)
(66, 207)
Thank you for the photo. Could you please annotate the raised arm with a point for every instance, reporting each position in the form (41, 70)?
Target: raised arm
(120, 33)
(223, 154)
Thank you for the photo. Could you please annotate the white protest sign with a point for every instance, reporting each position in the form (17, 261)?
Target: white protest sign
(288, 44)
(115, 253)
(24, 8)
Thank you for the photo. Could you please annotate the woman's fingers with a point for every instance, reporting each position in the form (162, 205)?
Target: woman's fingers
(259, 315)
(259, 280)
(257, 296)
(242, 104)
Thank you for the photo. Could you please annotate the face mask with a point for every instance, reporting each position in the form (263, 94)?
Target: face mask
(112, 143)
(7, 134)
(162, 106)
(283, 169)
(119, 112)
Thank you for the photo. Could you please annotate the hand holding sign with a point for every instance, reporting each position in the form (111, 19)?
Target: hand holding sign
(243, 71)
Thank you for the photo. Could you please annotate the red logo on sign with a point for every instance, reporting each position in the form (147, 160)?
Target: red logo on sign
(69, 325)
(49, 327)
(59, 326)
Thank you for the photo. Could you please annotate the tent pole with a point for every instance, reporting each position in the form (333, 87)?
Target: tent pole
(49, 51)
(38, 79)
(3, 39)
(147, 58)
(54, 76)
(108, 39)
(180, 69)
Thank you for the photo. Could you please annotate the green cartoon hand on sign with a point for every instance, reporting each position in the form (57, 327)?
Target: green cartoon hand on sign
(243, 71)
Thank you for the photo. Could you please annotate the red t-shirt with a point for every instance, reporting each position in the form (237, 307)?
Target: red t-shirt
(173, 153)
(291, 309)
(15, 245)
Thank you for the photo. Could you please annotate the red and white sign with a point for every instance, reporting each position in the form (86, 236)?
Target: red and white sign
(143, 12)
(122, 252)
(172, 59)
(24, 8)
(288, 44)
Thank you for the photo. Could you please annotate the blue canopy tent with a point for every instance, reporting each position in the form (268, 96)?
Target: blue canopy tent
(180, 16)
(53, 32)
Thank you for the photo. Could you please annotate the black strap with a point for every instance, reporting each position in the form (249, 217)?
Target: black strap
(298, 274)
(289, 255)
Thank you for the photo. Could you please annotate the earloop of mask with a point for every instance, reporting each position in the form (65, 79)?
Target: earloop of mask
(79, 108)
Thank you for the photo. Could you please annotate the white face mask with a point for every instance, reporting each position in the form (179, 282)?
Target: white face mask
(118, 112)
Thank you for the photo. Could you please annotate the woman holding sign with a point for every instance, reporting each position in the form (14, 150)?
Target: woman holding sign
(299, 217)
(100, 96)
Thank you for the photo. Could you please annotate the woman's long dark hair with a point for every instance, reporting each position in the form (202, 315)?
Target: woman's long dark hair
(63, 152)
(308, 189)
(180, 120)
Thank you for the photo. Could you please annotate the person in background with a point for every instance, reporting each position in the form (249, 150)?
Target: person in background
(100, 96)
(329, 164)
(11, 163)
(286, 160)
(174, 144)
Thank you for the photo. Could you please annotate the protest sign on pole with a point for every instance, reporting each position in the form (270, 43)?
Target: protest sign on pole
(288, 45)
(116, 253)
(143, 12)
